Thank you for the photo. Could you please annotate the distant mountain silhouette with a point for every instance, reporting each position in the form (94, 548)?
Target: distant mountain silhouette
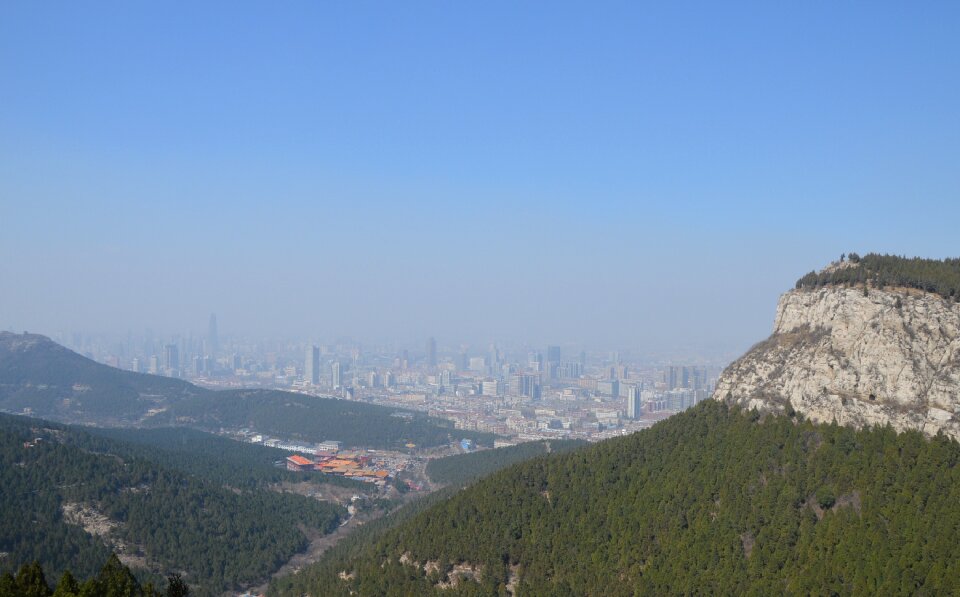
(40, 377)
(43, 379)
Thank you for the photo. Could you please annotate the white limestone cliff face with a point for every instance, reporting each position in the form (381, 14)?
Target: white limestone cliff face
(892, 356)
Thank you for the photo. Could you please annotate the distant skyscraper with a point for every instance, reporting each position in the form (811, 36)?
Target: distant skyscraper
(432, 352)
(535, 361)
(213, 339)
(553, 362)
(524, 384)
(494, 360)
(335, 374)
(633, 402)
(672, 377)
(311, 366)
(171, 357)
(154, 365)
(490, 387)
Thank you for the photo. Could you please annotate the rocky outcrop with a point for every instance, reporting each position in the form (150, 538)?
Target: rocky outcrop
(856, 357)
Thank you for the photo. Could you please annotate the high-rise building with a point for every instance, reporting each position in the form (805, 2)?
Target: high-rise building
(490, 387)
(699, 378)
(494, 358)
(213, 338)
(572, 370)
(432, 352)
(154, 365)
(608, 388)
(524, 384)
(171, 358)
(553, 354)
(311, 366)
(335, 375)
(553, 362)
(633, 402)
(535, 361)
(672, 377)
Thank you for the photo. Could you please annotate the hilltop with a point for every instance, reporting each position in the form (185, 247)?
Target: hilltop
(937, 276)
(51, 381)
(871, 341)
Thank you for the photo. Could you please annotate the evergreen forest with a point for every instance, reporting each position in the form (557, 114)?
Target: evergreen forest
(714, 500)
(68, 498)
(938, 276)
(464, 468)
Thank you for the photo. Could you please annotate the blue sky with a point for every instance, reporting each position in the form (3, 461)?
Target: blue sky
(607, 173)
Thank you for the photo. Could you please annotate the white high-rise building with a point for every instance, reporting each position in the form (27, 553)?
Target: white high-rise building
(634, 402)
(335, 375)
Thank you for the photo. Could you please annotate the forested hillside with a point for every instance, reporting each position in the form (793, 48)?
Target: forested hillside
(316, 419)
(940, 276)
(39, 374)
(455, 472)
(67, 498)
(463, 468)
(220, 460)
(711, 501)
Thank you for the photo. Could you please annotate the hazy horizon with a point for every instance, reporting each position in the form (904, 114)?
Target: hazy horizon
(615, 175)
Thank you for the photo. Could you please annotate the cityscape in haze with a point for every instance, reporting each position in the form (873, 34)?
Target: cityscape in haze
(500, 299)
(520, 392)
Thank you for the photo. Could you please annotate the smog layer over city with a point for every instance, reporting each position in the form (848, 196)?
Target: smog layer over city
(295, 298)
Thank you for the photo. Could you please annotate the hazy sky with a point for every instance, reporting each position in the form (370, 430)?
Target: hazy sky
(625, 174)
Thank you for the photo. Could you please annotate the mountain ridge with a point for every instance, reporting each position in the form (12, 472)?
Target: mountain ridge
(857, 353)
(55, 382)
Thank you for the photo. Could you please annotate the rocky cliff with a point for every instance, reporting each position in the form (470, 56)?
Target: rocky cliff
(859, 358)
